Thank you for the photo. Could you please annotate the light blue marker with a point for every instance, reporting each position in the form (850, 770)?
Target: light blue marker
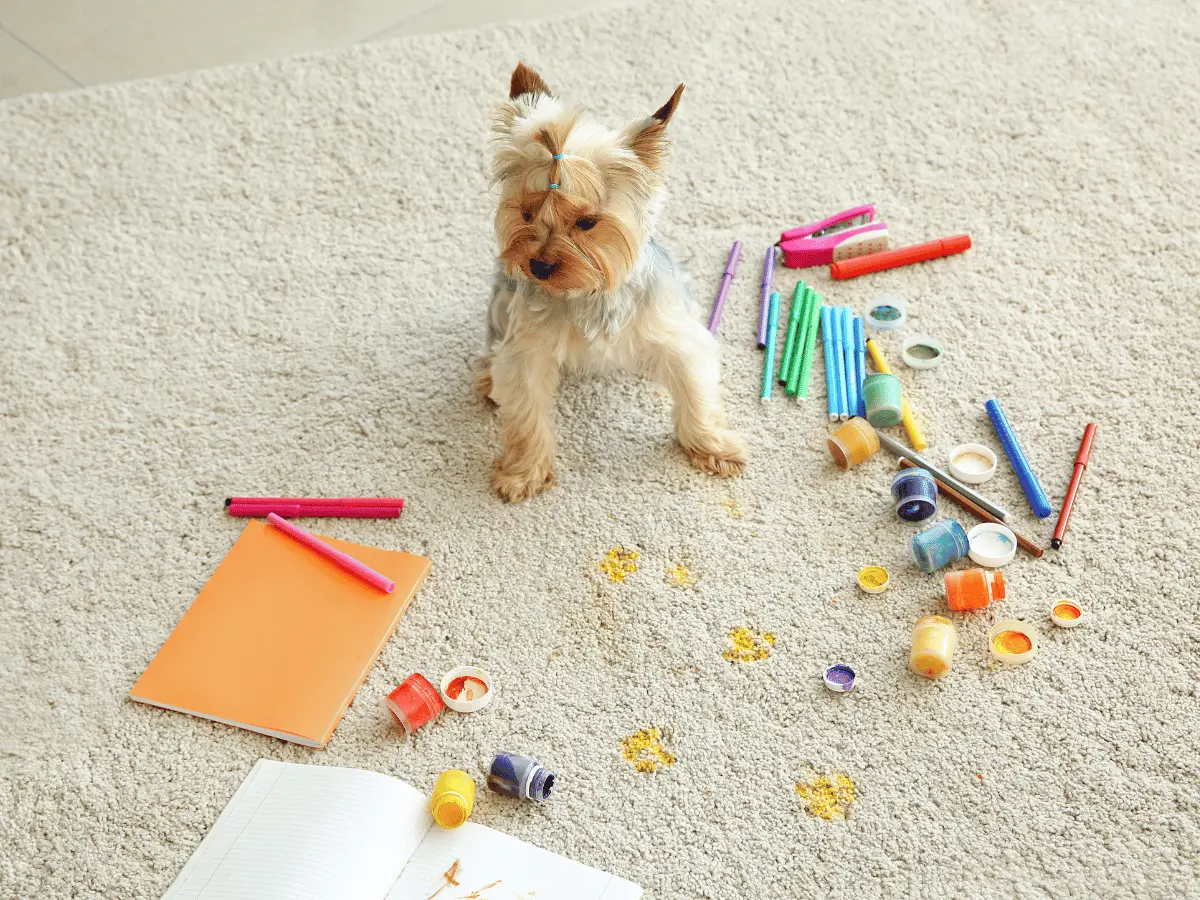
(827, 343)
(851, 350)
(860, 347)
(839, 364)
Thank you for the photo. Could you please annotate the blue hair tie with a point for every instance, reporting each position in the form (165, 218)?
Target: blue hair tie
(554, 187)
(558, 156)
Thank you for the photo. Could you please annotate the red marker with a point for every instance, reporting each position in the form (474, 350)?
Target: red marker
(1081, 462)
(905, 256)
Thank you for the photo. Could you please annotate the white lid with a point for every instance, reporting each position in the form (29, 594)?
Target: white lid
(886, 313)
(469, 697)
(840, 678)
(991, 544)
(1063, 621)
(873, 579)
(922, 352)
(1007, 655)
(973, 463)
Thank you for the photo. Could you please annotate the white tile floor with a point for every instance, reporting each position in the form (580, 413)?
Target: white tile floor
(53, 45)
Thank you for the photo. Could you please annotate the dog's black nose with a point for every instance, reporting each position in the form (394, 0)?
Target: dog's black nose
(541, 270)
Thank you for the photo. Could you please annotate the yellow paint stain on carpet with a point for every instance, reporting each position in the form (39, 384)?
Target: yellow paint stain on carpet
(619, 563)
(827, 798)
(732, 507)
(646, 751)
(680, 576)
(749, 646)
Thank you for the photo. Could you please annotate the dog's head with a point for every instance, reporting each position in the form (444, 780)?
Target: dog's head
(577, 199)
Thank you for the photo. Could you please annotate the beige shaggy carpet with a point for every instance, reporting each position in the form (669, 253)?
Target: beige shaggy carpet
(272, 278)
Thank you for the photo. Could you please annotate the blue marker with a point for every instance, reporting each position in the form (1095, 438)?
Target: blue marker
(827, 343)
(850, 349)
(860, 348)
(839, 364)
(1016, 456)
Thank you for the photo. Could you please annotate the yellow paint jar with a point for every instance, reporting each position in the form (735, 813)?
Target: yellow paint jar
(934, 641)
(453, 798)
(853, 443)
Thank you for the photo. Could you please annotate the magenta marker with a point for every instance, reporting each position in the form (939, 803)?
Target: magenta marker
(343, 560)
(735, 255)
(768, 285)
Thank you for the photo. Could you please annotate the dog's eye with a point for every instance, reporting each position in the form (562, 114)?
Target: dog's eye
(587, 223)
(527, 215)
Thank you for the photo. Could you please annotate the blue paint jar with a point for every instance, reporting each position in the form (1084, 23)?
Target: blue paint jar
(938, 545)
(520, 777)
(915, 493)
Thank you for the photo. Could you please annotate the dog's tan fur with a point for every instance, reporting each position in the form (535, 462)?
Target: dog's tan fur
(613, 296)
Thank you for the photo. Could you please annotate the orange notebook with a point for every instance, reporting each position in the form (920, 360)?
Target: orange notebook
(280, 639)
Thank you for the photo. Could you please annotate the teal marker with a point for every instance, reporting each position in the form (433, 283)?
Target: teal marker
(769, 359)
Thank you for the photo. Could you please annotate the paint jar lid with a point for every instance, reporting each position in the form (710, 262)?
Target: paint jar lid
(973, 463)
(873, 579)
(886, 313)
(467, 689)
(839, 678)
(1066, 613)
(922, 352)
(1012, 642)
(991, 544)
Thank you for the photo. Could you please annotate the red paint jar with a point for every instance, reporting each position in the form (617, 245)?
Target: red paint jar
(415, 702)
(973, 589)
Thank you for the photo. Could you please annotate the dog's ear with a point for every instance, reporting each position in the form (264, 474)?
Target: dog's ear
(648, 138)
(526, 81)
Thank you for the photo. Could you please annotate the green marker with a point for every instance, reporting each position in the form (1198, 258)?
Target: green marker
(769, 358)
(789, 342)
(793, 382)
(810, 342)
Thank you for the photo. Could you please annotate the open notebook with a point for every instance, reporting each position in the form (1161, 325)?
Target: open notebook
(296, 832)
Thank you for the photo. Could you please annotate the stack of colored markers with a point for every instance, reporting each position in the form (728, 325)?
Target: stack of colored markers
(843, 340)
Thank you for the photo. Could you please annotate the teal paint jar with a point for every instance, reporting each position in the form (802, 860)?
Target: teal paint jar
(939, 545)
(881, 394)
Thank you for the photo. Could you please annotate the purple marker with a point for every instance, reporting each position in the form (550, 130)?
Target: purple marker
(520, 777)
(768, 285)
(735, 255)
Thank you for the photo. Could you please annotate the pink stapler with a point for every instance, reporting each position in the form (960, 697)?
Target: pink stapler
(851, 233)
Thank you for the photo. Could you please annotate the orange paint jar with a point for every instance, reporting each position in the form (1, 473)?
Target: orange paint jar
(973, 589)
(853, 443)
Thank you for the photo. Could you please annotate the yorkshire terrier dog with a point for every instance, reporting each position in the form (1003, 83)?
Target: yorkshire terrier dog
(582, 285)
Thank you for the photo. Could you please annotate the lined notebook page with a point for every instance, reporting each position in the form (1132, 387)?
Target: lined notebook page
(295, 832)
(485, 856)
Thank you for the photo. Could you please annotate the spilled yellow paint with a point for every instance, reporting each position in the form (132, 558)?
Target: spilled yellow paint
(732, 507)
(827, 798)
(619, 563)
(680, 576)
(646, 751)
(748, 646)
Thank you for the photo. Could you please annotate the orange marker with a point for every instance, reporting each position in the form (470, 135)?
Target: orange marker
(905, 256)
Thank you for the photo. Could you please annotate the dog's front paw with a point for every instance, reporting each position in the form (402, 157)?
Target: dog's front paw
(721, 453)
(516, 486)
